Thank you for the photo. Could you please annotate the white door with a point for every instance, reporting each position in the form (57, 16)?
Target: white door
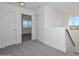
(9, 27)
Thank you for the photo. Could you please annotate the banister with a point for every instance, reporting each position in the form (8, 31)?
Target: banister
(70, 37)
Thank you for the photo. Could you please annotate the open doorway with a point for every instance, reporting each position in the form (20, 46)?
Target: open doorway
(26, 27)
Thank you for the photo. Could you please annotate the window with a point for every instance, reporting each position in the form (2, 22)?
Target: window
(30, 23)
(74, 22)
(27, 23)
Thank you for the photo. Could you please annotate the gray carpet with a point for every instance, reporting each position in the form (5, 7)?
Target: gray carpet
(32, 48)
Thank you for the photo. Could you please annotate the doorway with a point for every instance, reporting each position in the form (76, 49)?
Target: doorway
(26, 27)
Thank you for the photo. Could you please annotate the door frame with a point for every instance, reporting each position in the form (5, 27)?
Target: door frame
(22, 25)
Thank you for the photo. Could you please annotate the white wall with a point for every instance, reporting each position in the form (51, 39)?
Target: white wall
(50, 27)
(1, 27)
(55, 37)
(53, 18)
(54, 34)
(39, 17)
(20, 11)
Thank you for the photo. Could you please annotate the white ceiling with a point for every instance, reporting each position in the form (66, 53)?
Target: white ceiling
(61, 6)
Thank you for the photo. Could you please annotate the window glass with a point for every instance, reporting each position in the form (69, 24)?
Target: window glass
(74, 20)
(74, 23)
(25, 23)
(30, 23)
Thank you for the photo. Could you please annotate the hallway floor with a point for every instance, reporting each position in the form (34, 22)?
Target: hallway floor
(32, 48)
(26, 37)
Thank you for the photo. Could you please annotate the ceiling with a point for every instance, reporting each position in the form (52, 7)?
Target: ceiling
(64, 7)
